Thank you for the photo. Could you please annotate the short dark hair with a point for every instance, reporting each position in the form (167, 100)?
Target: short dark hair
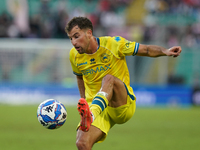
(81, 22)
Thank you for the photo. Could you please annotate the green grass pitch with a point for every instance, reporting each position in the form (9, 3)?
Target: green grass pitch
(149, 129)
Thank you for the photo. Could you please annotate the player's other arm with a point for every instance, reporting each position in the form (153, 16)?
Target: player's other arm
(156, 51)
(81, 86)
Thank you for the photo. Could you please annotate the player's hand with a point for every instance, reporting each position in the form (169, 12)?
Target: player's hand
(174, 51)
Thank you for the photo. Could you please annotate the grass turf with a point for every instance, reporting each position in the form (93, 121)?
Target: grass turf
(149, 129)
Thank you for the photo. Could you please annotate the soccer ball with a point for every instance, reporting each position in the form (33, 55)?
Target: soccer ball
(51, 114)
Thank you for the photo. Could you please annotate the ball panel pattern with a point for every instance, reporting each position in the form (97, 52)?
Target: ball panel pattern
(51, 114)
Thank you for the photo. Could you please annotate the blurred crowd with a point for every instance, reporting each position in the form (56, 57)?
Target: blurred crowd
(48, 22)
(183, 20)
(108, 17)
(184, 7)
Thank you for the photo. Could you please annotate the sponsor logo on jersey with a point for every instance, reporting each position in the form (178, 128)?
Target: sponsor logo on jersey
(105, 58)
(85, 63)
(96, 70)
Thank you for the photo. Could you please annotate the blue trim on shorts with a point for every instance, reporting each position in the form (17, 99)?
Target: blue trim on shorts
(97, 102)
(131, 96)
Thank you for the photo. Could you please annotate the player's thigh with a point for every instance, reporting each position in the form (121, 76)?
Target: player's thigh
(119, 97)
(90, 137)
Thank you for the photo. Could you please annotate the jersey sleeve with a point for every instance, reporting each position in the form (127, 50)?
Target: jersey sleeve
(72, 58)
(125, 47)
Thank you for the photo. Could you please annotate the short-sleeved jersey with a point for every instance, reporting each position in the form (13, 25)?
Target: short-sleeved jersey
(108, 59)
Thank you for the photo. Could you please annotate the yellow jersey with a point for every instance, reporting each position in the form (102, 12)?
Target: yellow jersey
(108, 59)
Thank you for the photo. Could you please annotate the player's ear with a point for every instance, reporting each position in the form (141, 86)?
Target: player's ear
(89, 32)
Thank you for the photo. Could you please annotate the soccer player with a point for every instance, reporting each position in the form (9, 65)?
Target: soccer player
(103, 79)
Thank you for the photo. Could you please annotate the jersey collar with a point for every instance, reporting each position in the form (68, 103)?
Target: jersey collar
(98, 41)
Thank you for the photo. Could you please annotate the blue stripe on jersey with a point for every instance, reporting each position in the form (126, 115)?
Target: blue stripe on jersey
(131, 96)
(136, 49)
(99, 102)
(78, 74)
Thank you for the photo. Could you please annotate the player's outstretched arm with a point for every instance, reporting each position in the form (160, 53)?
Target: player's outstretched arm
(156, 51)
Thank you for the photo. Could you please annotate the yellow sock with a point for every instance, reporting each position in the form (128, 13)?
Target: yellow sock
(99, 103)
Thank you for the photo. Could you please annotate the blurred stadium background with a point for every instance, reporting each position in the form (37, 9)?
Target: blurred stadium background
(34, 48)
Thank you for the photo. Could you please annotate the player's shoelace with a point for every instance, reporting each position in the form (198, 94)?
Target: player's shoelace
(86, 117)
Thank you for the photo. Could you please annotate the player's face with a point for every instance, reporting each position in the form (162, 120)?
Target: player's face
(80, 39)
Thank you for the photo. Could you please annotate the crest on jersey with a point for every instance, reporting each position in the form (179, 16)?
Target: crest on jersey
(105, 58)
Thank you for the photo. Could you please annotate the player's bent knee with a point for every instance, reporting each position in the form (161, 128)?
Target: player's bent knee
(109, 78)
(82, 145)
(112, 80)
